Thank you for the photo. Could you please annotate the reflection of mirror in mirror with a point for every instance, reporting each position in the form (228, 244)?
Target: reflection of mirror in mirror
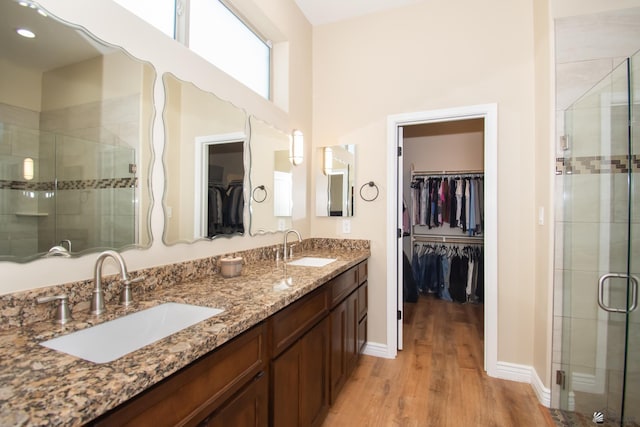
(271, 178)
(204, 164)
(335, 177)
(75, 150)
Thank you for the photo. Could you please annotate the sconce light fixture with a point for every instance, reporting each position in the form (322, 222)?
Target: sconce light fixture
(296, 148)
(327, 162)
(27, 168)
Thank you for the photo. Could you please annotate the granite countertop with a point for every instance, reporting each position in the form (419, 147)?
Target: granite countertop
(40, 386)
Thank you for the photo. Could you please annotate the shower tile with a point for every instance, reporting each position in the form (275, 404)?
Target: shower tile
(557, 292)
(585, 198)
(575, 78)
(618, 247)
(559, 260)
(583, 245)
(583, 343)
(617, 198)
(584, 294)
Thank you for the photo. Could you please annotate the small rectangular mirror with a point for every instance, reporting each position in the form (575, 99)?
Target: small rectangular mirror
(335, 177)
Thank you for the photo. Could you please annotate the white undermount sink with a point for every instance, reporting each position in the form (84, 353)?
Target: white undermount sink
(310, 261)
(111, 340)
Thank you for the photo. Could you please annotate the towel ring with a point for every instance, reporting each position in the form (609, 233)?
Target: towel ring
(259, 187)
(370, 184)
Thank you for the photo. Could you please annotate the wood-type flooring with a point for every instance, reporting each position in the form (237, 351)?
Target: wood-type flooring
(437, 380)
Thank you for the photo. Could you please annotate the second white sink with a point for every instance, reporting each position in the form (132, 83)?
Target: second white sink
(111, 340)
(310, 261)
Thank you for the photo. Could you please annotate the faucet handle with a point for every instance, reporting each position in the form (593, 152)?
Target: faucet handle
(63, 314)
(125, 295)
(134, 280)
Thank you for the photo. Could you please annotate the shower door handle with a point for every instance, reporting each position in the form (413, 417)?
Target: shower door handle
(634, 292)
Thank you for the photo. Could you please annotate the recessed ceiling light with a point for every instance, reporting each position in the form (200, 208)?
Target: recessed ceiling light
(42, 12)
(25, 33)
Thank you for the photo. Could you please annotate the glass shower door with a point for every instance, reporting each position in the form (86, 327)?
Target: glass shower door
(599, 288)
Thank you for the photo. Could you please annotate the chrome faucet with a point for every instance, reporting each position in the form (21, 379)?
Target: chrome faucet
(286, 233)
(97, 299)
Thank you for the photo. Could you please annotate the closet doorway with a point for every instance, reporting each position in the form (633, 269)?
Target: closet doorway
(429, 165)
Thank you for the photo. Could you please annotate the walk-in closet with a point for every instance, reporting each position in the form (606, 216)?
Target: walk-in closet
(443, 213)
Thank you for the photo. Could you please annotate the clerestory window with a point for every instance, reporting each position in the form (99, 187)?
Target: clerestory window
(213, 31)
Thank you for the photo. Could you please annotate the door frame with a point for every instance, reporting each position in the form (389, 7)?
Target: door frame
(488, 112)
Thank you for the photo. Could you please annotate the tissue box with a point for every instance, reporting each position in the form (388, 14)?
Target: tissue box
(230, 267)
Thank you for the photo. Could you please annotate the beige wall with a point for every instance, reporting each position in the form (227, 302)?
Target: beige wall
(425, 57)
(544, 173)
(284, 23)
(20, 86)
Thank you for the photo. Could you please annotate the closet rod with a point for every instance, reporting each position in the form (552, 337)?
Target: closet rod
(467, 172)
(447, 239)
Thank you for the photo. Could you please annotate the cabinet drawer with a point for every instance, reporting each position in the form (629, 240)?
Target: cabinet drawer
(363, 300)
(363, 272)
(290, 323)
(190, 395)
(343, 285)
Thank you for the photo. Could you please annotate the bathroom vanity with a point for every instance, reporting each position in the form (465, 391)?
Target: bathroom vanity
(277, 355)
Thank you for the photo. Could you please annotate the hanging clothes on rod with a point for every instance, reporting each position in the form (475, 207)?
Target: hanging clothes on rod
(225, 208)
(452, 271)
(454, 200)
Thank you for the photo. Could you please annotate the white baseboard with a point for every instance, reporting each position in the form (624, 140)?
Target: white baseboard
(524, 374)
(377, 350)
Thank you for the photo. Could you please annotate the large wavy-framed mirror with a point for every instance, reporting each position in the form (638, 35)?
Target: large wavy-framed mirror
(204, 163)
(271, 179)
(75, 139)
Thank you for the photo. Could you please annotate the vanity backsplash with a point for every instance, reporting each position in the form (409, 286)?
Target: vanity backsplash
(20, 309)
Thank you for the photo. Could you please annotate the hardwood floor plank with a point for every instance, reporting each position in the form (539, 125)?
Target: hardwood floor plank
(437, 380)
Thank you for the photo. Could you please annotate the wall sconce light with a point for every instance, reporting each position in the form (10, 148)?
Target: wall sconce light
(27, 168)
(327, 162)
(296, 149)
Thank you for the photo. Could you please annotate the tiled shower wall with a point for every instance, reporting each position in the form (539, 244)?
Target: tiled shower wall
(89, 150)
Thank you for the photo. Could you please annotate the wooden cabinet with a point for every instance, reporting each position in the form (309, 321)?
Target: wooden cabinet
(348, 325)
(195, 393)
(363, 304)
(363, 297)
(300, 392)
(300, 366)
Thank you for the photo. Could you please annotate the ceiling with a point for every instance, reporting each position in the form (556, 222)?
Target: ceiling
(55, 45)
(320, 12)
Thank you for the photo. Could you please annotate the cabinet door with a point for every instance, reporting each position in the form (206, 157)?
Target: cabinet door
(285, 374)
(314, 374)
(362, 334)
(300, 380)
(249, 408)
(351, 346)
(338, 371)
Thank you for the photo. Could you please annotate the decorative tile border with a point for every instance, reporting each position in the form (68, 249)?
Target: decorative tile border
(589, 165)
(86, 184)
(20, 308)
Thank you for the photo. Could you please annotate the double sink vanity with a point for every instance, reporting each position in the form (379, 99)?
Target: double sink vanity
(250, 351)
